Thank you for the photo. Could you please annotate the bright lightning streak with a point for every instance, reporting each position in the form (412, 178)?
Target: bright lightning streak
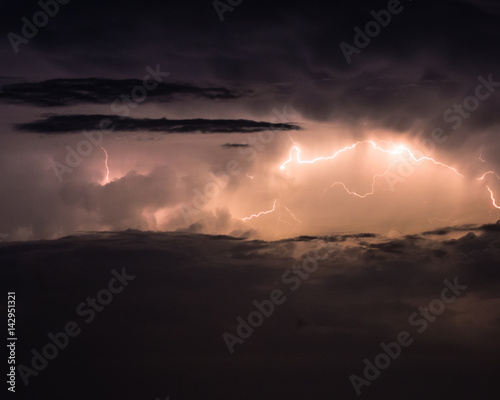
(297, 151)
(493, 201)
(401, 148)
(276, 207)
(488, 173)
(294, 155)
(106, 163)
(482, 177)
(362, 196)
(398, 149)
(492, 197)
(261, 213)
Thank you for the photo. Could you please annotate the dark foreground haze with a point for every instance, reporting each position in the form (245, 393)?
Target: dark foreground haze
(162, 333)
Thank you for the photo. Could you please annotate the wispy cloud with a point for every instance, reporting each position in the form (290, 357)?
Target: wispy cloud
(68, 92)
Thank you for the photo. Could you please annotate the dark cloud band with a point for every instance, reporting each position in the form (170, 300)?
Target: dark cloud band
(60, 124)
(68, 92)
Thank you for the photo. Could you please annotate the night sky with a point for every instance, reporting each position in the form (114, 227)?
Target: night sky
(212, 149)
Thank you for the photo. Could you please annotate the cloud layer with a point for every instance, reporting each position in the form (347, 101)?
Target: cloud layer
(189, 289)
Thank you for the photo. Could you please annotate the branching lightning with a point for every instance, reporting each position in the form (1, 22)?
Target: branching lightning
(276, 207)
(384, 147)
(482, 177)
(397, 150)
(362, 196)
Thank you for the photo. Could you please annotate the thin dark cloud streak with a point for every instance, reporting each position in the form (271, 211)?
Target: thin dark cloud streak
(70, 92)
(60, 124)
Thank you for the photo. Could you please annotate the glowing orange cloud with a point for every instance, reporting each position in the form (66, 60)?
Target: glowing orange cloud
(384, 147)
(395, 150)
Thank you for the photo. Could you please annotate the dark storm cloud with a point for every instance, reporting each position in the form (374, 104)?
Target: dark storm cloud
(406, 75)
(447, 230)
(57, 124)
(69, 92)
(190, 288)
(296, 39)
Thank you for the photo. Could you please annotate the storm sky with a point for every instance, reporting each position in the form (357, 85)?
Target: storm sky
(196, 105)
(208, 149)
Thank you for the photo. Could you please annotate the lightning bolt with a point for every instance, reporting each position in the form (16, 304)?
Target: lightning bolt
(389, 148)
(106, 163)
(482, 177)
(276, 207)
(486, 174)
(261, 213)
(362, 196)
(492, 197)
(397, 150)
